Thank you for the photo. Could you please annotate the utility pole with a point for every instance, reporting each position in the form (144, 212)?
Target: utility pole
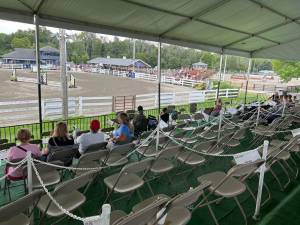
(63, 73)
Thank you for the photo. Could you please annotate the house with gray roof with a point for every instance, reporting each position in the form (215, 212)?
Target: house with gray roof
(119, 63)
(199, 65)
(26, 56)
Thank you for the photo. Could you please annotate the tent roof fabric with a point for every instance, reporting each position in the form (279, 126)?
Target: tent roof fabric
(116, 61)
(250, 28)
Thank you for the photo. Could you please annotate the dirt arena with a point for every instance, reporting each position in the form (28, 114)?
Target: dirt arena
(88, 85)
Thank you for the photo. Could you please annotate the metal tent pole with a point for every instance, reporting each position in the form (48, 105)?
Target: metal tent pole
(248, 74)
(38, 66)
(63, 73)
(225, 67)
(159, 83)
(133, 56)
(220, 74)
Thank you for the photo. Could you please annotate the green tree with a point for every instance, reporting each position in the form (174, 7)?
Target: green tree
(286, 70)
(22, 42)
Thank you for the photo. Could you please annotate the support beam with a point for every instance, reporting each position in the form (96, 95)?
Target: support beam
(247, 82)
(133, 55)
(63, 73)
(225, 67)
(158, 94)
(220, 74)
(38, 73)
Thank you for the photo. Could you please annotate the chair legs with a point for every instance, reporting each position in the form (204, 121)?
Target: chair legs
(241, 209)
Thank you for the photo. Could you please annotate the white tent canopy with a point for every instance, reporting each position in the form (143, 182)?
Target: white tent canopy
(250, 28)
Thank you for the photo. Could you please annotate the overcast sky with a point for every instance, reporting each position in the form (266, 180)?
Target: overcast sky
(9, 27)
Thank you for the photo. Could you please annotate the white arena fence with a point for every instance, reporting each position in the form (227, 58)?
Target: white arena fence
(165, 78)
(27, 111)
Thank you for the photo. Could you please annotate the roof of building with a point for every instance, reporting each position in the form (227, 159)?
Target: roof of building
(49, 49)
(116, 61)
(26, 53)
(199, 64)
(21, 53)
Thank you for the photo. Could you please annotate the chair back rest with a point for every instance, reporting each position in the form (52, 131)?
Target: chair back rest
(168, 128)
(93, 156)
(240, 169)
(181, 125)
(96, 147)
(75, 183)
(3, 141)
(180, 134)
(123, 149)
(198, 130)
(36, 141)
(137, 167)
(198, 116)
(43, 167)
(107, 129)
(144, 216)
(190, 197)
(184, 117)
(169, 152)
(145, 134)
(205, 146)
(239, 134)
(6, 146)
(62, 153)
(22, 204)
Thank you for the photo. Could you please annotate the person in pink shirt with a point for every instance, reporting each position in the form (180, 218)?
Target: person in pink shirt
(20, 152)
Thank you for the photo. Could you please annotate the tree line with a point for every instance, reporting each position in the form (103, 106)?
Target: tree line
(83, 46)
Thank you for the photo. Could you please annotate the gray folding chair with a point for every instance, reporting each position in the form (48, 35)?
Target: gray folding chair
(225, 185)
(13, 213)
(149, 150)
(117, 155)
(145, 216)
(67, 195)
(49, 174)
(162, 165)
(96, 147)
(64, 154)
(91, 160)
(129, 179)
(176, 210)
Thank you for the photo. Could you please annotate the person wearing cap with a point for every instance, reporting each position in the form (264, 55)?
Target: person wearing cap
(93, 137)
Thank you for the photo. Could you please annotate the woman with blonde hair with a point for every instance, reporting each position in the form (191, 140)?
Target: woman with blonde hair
(19, 152)
(60, 137)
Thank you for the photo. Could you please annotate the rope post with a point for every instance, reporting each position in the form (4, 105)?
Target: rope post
(220, 124)
(261, 180)
(29, 178)
(258, 115)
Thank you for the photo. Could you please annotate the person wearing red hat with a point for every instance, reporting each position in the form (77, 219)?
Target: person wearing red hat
(93, 137)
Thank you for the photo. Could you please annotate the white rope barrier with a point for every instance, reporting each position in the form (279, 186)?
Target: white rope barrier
(193, 150)
(19, 164)
(53, 199)
(100, 167)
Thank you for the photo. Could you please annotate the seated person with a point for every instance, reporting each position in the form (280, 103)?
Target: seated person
(218, 107)
(93, 137)
(215, 111)
(20, 152)
(140, 122)
(123, 134)
(60, 137)
(164, 115)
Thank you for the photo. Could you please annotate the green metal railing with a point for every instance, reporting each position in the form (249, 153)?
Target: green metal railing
(9, 132)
